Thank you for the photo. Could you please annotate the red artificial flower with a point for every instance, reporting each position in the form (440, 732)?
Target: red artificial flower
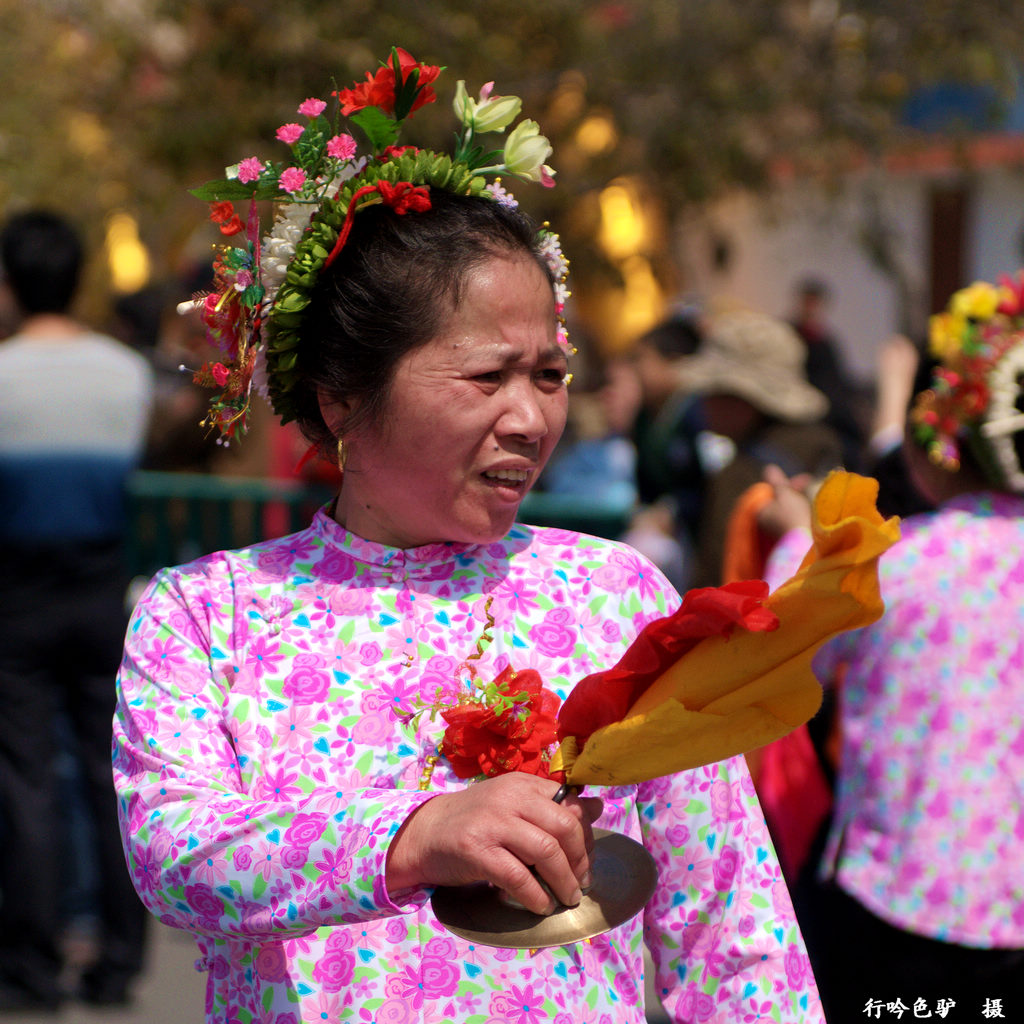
(395, 152)
(379, 89)
(223, 316)
(605, 697)
(223, 214)
(1014, 304)
(510, 735)
(221, 211)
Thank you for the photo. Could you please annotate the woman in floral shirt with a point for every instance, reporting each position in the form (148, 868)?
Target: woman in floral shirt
(279, 796)
(921, 873)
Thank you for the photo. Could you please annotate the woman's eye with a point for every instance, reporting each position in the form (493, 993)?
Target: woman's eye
(553, 375)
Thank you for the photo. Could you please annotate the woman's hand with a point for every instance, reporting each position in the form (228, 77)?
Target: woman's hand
(495, 831)
(790, 506)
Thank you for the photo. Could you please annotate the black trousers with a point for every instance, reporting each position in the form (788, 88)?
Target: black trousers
(864, 965)
(62, 625)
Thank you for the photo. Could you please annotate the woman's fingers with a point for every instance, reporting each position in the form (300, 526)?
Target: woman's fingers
(497, 831)
(556, 848)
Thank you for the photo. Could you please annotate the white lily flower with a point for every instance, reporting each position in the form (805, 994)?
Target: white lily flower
(487, 114)
(526, 151)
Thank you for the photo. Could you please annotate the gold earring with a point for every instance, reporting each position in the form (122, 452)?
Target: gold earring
(342, 453)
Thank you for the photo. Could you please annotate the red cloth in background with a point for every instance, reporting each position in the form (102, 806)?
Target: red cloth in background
(791, 783)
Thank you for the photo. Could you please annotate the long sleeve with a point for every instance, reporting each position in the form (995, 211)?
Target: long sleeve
(209, 851)
(721, 928)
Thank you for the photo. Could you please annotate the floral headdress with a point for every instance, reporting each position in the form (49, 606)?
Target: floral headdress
(262, 287)
(975, 397)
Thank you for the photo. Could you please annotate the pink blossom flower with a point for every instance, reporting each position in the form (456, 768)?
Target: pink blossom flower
(293, 179)
(444, 948)
(760, 960)
(610, 631)
(407, 986)
(293, 858)
(211, 870)
(758, 1011)
(726, 803)
(290, 133)
(298, 728)
(522, 1005)
(147, 868)
(334, 867)
(264, 862)
(400, 695)
(249, 169)
(312, 107)
(341, 147)
(699, 870)
(263, 657)
(328, 1007)
(167, 652)
(279, 785)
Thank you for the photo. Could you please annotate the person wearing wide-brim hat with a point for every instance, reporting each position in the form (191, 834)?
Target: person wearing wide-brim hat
(757, 358)
(750, 373)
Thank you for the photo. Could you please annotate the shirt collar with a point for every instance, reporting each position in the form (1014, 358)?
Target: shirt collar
(334, 535)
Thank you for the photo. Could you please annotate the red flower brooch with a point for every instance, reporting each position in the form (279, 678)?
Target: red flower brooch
(506, 726)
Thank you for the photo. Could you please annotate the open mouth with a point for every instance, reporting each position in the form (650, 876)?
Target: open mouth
(509, 477)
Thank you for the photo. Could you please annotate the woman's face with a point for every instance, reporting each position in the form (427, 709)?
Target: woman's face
(472, 418)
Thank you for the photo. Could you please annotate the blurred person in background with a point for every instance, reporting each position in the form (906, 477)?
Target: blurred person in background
(919, 893)
(826, 367)
(599, 461)
(74, 406)
(749, 372)
(174, 344)
(668, 423)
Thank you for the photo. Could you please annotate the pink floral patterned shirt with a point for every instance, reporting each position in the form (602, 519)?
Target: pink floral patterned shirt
(263, 763)
(928, 829)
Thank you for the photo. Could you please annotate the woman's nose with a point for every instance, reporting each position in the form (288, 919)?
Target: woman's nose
(524, 416)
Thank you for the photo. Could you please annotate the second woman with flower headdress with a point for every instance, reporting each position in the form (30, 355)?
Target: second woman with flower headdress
(920, 867)
(286, 793)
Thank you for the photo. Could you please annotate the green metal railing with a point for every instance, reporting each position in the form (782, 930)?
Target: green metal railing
(176, 517)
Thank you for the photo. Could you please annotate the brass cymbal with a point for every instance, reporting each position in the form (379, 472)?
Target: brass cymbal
(624, 878)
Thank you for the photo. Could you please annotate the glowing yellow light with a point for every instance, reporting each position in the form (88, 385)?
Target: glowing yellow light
(642, 301)
(126, 255)
(597, 135)
(622, 232)
(86, 134)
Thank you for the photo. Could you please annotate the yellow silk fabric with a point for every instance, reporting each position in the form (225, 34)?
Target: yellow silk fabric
(731, 694)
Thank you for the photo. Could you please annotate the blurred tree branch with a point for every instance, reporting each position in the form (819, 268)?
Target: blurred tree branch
(123, 104)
